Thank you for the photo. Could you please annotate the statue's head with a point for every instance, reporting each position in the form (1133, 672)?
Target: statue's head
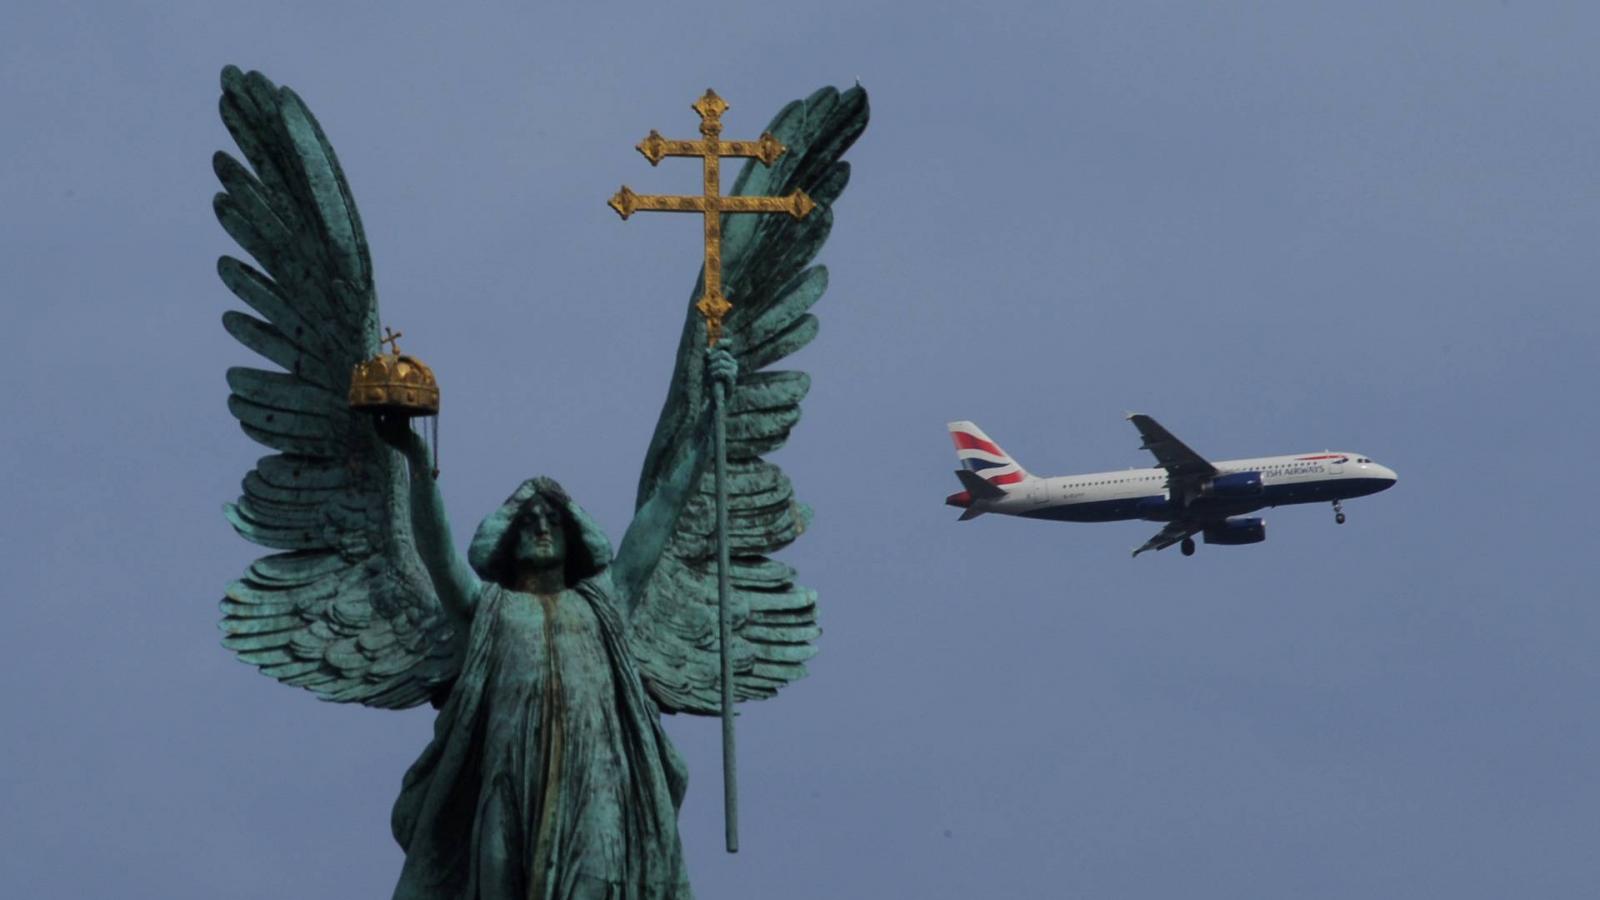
(537, 538)
(538, 527)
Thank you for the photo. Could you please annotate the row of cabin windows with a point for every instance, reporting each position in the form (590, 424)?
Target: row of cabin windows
(1269, 470)
(1274, 470)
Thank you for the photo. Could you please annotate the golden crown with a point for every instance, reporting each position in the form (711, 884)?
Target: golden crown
(394, 383)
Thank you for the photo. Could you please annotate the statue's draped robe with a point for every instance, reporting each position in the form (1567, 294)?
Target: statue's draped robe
(549, 775)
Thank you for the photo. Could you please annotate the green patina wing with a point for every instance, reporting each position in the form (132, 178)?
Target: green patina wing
(673, 628)
(346, 610)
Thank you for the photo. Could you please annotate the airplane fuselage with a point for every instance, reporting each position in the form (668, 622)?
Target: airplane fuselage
(1142, 494)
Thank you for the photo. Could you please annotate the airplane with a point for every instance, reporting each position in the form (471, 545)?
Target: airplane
(1185, 491)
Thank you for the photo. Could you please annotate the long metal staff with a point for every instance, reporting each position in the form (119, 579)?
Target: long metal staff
(730, 782)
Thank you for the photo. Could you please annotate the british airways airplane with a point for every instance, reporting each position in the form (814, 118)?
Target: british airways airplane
(1191, 495)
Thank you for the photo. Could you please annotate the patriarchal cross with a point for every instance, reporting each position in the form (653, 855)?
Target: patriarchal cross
(711, 148)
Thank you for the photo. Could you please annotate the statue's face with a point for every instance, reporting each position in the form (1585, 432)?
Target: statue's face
(542, 542)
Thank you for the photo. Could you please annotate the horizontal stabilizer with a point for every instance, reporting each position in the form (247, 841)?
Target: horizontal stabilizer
(980, 488)
(971, 512)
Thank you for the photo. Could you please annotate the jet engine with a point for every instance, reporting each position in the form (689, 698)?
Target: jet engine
(1237, 531)
(1234, 485)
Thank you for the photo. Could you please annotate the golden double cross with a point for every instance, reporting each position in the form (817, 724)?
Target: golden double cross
(711, 148)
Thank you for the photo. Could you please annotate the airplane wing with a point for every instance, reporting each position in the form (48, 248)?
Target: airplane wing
(1171, 454)
(1186, 469)
(1166, 537)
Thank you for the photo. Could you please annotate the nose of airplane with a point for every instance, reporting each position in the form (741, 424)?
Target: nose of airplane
(1386, 473)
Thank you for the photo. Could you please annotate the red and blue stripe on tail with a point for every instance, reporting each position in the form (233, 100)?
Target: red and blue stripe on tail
(980, 455)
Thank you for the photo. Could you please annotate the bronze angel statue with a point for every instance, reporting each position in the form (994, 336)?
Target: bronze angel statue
(549, 657)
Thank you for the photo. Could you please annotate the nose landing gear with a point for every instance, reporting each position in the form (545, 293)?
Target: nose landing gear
(1187, 546)
(1338, 513)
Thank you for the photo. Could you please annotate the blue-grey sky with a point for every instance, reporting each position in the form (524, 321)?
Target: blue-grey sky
(1275, 227)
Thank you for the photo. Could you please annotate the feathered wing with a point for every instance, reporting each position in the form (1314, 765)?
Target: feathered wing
(673, 629)
(346, 610)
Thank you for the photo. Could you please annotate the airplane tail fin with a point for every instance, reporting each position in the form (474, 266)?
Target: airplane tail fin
(985, 469)
(982, 456)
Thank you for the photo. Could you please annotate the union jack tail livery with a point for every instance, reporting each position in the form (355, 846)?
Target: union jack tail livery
(980, 455)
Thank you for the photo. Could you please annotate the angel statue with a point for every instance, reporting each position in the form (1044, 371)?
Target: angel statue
(549, 658)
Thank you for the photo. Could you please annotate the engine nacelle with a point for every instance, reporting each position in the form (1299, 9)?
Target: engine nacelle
(1234, 485)
(1236, 531)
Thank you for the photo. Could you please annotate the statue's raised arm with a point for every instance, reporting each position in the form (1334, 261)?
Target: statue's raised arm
(666, 565)
(348, 609)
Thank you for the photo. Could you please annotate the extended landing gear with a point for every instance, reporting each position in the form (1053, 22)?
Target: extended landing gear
(1338, 513)
(1187, 546)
